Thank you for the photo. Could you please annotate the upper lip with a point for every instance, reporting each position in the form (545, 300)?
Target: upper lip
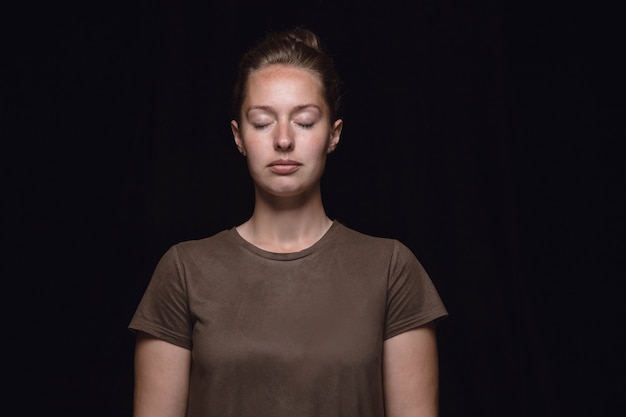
(284, 162)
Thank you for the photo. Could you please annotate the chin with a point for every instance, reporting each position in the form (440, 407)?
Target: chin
(287, 191)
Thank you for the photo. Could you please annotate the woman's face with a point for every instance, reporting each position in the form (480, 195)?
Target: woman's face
(285, 130)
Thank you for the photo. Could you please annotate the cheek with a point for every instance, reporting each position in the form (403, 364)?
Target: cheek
(252, 144)
(314, 149)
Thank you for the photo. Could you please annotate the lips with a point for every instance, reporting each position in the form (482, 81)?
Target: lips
(284, 166)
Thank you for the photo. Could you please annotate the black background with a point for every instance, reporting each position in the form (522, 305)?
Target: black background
(486, 136)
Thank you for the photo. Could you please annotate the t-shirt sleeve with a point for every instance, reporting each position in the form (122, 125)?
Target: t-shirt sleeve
(412, 299)
(163, 311)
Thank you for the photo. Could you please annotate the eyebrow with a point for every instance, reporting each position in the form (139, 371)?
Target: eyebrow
(296, 109)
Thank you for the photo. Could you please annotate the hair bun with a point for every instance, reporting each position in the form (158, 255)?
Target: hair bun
(301, 35)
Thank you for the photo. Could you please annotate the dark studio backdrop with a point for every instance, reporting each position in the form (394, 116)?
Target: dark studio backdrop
(485, 136)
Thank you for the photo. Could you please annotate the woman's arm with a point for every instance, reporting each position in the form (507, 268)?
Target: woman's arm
(411, 374)
(161, 378)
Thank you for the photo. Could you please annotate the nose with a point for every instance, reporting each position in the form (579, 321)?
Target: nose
(283, 141)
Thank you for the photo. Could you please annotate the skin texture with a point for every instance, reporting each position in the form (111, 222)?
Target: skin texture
(161, 378)
(285, 133)
(285, 118)
(410, 373)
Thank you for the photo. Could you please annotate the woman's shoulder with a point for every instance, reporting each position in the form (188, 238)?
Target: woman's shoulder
(356, 238)
(216, 243)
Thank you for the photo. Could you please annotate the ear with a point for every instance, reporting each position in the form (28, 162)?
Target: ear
(234, 126)
(335, 135)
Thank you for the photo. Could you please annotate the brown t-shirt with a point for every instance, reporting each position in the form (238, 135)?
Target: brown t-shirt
(287, 334)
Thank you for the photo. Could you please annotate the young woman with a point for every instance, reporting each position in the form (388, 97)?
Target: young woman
(290, 313)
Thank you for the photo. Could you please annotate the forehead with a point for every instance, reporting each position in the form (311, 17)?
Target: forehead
(281, 82)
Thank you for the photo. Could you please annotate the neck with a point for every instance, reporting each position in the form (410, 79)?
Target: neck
(286, 224)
